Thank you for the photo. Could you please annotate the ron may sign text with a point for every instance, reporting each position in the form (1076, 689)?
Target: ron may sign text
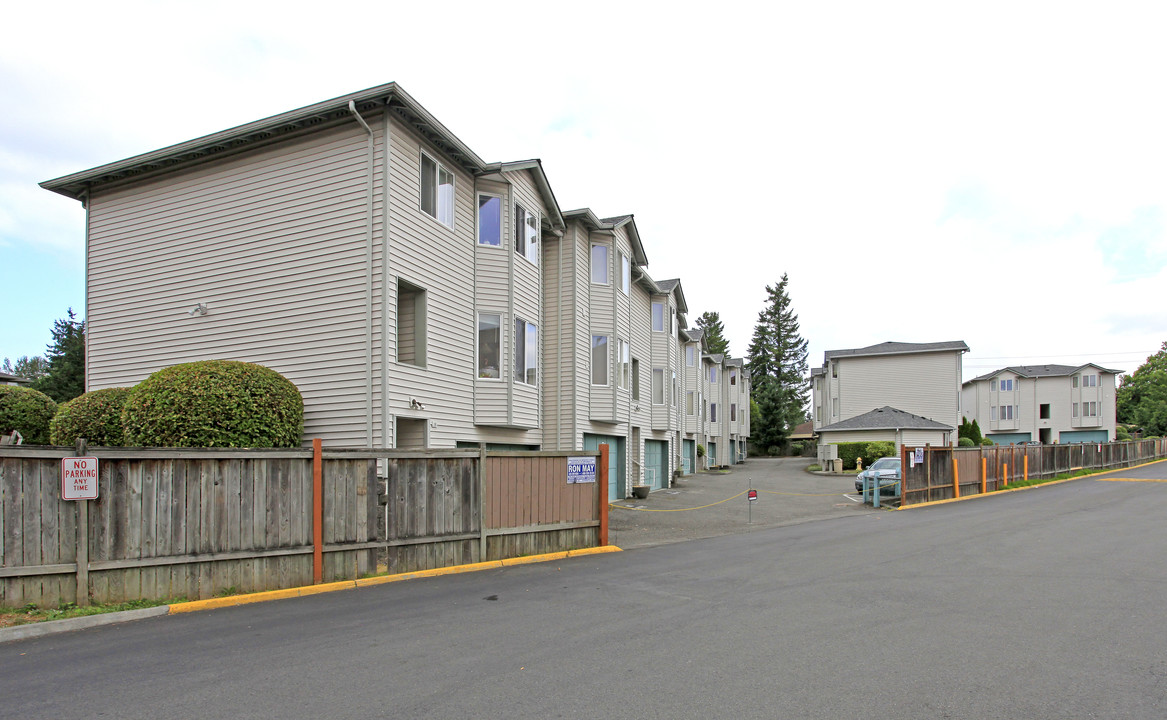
(581, 469)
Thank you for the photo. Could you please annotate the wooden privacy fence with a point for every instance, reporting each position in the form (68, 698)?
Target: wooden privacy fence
(950, 472)
(193, 523)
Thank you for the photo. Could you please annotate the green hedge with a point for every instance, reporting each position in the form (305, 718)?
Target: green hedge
(95, 416)
(214, 403)
(869, 451)
(966, 442)
(27, 411)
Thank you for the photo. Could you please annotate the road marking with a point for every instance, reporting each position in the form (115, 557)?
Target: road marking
(852, 498)
(1150, 480)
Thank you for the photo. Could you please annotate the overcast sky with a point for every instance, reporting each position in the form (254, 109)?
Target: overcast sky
(988, 172)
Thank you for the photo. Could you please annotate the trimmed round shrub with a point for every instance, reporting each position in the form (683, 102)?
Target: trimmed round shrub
(214, 403)
(95, 416)
(966, 442)
(27, 411)
(986, 442)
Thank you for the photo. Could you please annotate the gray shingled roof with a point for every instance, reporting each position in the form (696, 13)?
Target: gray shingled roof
(696, 334)
(886, 418)
(1036, 371)
(667, 286)
(733, 362)
(898, 348)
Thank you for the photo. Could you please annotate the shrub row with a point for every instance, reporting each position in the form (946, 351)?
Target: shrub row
(210, 403)
(849, 452)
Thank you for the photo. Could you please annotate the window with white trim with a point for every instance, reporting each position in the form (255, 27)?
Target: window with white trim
(1074, 410)
(527, 234)
(437, 191)
(1089, 381)
(599, 359)
(993, 385)
(712, 412)
(635, 379)
(733, 412)
(1090, 409)
(622, 359)
(658, 317)
(1006, 412)
(526, 351)
(689, 399)
(411, 323)
(489, 345)
(489, 220)
(733, 377)
(625, 274)
(713, 374)
(690, 355)
(658, 386)
(674, 394)
(1007, 385)
(599, 264)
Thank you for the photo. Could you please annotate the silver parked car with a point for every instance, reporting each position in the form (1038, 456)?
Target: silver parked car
(887, 469)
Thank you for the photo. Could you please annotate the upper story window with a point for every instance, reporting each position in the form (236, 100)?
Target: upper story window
(489, 220)
(1006, 412)
(993, 385)
(1075, 381)
(526, 351)
(712, 412)
(1007, 385)
(689, 404)
(658, 317)
(690, 355)
(713, 374)
(733, 377)
(1074, 409)
(733, 412)
(1090, 409)
(526, 234)
(489, 345)
(599, 264)
(834, 370)
(625, 274)
(622, 360)
(599, 359)
(437, 191)
(411, 323)
(658, 386)
(1089, 381)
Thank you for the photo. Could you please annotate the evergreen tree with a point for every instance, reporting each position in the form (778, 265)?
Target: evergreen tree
(778, 369)
(27, 367)
(65, 378)
(1142, 396)
(714, 329)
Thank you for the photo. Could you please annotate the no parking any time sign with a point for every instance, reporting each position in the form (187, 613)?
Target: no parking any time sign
(79, 478)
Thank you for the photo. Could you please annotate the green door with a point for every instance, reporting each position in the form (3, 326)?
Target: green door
(616, 488)
(656, 463)
(690, 455)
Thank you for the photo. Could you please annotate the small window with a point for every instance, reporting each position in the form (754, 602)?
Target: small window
(690, 355)
(733, 412)
(489, 220)
(712, 412)
(993, 386)
(489, 345)
(1007, 385)
(1090, 409)
(526, 234)
(658, 386)
(658, 317)
(835, 407)
(410, 323)
(622, 355)
(437, 191)
(818, 413)
(625, 274)
(599, 359)
(635, 379)
(1091, 381)
(526, 351)
(834, 370)
(674, 393)
(1074, 409)
(1075, 381)
(1006, 412)
(733, 377)
(713, 374)
(689, 406)
(1043, 411)
(599, 264)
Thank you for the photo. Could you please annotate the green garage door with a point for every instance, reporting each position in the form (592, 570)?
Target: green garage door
(690, 455)
(616, 487)
(656, 463)
(1082, 436)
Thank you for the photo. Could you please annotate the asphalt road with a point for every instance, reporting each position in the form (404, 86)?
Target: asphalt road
(1037, 604)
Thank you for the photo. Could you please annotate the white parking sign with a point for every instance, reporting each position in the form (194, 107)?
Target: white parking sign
(79, 478)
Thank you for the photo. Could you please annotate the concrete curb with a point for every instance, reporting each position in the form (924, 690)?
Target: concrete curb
(32, 630)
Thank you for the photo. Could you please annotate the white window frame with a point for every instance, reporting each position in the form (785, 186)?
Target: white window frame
(712, 412)
(690, 355)
(443, 210)
(658, 317)
(527, 361)
(993, 385)
(1074, 410)
(624, 363)
(596, 366)
(625, 273)
(478, 220)
(658, 386)
(600, 269)
(526, 233)
(478, 347)
(690, 406)
(713, 373)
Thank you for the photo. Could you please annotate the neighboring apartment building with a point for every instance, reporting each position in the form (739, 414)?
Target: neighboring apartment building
(7, 379)
(417, 296)
(1044, 403)
(914, 389)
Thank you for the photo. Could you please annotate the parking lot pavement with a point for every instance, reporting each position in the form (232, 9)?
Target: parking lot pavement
(709, 504)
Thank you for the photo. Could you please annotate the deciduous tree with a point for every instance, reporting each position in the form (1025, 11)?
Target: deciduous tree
(1142, 396)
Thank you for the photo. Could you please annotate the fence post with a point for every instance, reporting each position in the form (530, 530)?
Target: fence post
(603, 488)
(984, 473)
(1004, 475)
(955, 477)
(317, 512)
(1025, 464)
(82, 595)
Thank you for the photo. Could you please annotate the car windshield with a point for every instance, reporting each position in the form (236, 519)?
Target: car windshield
(886, 464)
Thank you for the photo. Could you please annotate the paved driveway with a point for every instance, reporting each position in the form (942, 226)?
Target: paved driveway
(704, 505)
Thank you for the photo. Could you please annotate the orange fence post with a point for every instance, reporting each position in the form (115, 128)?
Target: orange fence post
(317, 512)
(1004, 474)
(1025, 465)
(984, 475)
(955, 477)
(603, 494)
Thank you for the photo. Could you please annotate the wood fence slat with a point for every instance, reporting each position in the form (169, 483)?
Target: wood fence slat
(31, 522)
(149, 477)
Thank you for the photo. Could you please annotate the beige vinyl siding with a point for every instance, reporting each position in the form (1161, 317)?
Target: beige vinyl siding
(601, 399)
(492, 292)
(556, 361)
(924, 384)
(275, 242)
(915, 438)
(527, 299)
(845, 436)
(430, 255)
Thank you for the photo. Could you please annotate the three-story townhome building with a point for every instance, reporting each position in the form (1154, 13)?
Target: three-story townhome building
(1044, 403)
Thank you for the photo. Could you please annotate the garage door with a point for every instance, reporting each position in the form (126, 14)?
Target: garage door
(656, 463)
(616, 489)
(690, 455)
(1082, 436)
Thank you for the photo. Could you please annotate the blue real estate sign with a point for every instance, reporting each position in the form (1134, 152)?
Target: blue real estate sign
(581, 469)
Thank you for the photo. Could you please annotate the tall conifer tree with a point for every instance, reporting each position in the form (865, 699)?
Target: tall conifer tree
(777, 362)
(714, 329)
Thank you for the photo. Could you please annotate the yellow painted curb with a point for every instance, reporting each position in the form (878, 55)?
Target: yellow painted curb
(1095, 476)
(233, 600)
